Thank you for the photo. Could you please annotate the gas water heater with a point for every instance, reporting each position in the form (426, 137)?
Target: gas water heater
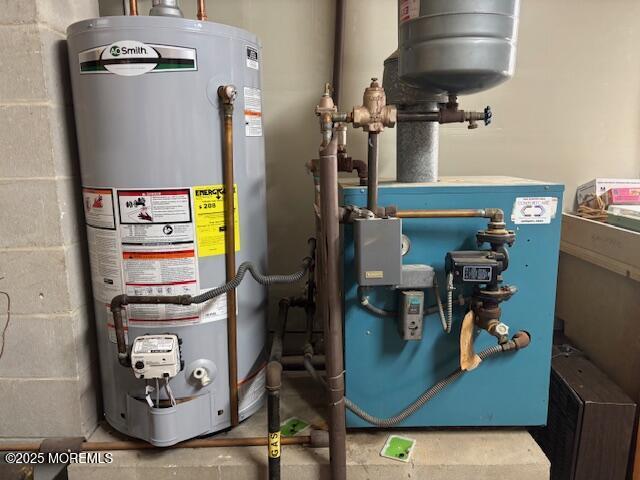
(149, 130)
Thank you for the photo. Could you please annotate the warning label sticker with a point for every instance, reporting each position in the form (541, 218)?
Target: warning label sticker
(170, 271)
(252, 112)
(147, 242)
(409, 9)
(208, 206)
(104, 258)
(534, 210)
(251, 389)
(98, 207)
(154, 206)
(252, 57)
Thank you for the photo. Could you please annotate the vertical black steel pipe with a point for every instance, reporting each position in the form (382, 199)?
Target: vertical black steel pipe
(372, 160)
(227, 96)
(332, 306)
(274, 448)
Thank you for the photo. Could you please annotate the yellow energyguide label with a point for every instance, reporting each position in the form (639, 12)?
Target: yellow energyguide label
(274, 444)
(208, 206)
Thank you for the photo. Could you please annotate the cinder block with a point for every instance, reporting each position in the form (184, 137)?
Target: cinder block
(21, 75)
(39, 408)
(30, 209)
(59, 14)
(39, 346)
(71, 214)
(63, 141)
(25, 141)
(13, 12)
(36, 280)
(89, 394)
(78, 275)
(55, 65)
(84, 334)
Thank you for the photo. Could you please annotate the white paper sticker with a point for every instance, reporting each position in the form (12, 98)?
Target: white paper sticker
(105, 262)
(409, 9)
(98, 207)
(251, 389)
(252, 57)
(252, 112)
(534, 210)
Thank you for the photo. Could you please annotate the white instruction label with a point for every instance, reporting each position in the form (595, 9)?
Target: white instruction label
(409, 9)
(98, 207)
(534, 210)
(252, 57)
(251, 389)
(252, 112)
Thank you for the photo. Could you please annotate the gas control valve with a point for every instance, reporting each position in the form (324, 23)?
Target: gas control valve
(156, 356)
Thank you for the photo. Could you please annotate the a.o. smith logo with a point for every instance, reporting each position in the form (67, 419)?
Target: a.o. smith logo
(131, 58)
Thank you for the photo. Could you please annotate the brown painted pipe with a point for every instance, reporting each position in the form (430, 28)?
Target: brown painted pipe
(470, 213)
(133, 7)
(332, 306)
(202, 10)
(495, 214)
(372, 172)
(338, 49)
(227, 94)
(138, 445)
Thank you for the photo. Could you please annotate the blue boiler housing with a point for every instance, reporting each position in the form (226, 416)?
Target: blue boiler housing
(385, 373)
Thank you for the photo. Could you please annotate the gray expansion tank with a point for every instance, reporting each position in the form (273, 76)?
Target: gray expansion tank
(149, 135)
(457, 46)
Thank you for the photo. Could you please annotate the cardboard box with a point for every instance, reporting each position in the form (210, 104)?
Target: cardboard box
(599, 298)
(599, 186)
(622, 196)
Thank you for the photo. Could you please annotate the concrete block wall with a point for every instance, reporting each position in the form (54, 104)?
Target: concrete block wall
(48, 372)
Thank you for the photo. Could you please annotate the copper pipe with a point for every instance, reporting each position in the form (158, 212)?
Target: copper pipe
(372, 172)
(332, 306)
(139, 445)
(202, 10)
(133, 7)
(227, 94)
(338, 49)
(494, 214)
(449, 213)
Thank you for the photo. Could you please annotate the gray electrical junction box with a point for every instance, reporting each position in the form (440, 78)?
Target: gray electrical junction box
(378, 250)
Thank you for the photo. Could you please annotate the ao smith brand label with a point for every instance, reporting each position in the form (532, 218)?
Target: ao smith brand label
(130, 58)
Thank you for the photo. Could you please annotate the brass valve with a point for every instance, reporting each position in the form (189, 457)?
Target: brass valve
(374, 114)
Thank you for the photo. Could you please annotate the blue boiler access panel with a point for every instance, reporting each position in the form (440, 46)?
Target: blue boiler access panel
(385, 373)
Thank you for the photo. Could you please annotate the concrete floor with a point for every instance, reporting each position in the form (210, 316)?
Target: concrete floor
(438, 455)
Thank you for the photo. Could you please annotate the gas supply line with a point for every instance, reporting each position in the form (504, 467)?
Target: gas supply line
(519, 341)
(120, 301)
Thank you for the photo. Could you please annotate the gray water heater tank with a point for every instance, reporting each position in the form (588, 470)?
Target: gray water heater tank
(457, 46)
(149, 134)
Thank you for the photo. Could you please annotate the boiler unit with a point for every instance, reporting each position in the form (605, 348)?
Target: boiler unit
(448, 284)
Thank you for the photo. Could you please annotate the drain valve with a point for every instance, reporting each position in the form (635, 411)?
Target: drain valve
(201, 375)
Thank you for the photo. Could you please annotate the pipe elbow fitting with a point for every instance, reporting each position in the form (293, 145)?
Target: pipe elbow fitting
(118, 302)
(319, 438)
(274, 376)
(521, 340)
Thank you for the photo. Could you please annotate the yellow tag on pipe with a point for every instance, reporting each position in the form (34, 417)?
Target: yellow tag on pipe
(274, 444)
